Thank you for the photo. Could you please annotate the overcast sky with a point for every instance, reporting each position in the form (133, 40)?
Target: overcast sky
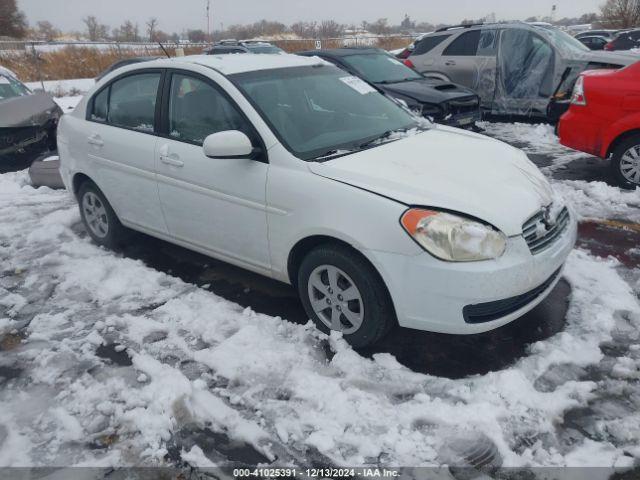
(177, 15)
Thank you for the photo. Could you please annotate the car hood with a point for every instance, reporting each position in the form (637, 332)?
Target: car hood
(427, 91)
(27, 111)
(451, 169)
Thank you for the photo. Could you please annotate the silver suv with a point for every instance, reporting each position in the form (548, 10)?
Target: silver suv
(516, 68)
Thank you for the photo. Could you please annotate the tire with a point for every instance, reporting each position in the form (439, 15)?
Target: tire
(372, 307)
(622, 160)
(98, 217)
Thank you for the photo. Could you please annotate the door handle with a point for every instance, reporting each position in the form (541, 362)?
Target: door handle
(95, 140)
(174, 161)
(450, 63)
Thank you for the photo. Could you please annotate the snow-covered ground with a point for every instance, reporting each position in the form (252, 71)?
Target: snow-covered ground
(106, 361)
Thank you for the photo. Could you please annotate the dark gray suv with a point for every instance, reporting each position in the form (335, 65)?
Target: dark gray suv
(516, 68)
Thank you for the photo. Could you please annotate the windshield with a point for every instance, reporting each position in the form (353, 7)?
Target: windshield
(10, 87)
(564, 41)
(380, 67)
(264, 49)
(320, 110)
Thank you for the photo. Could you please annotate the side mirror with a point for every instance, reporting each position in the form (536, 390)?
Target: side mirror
(228, 144)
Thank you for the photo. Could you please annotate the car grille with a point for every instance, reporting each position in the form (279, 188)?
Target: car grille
(10, 137)
(540, 231)
(486, 312)
(463, 105)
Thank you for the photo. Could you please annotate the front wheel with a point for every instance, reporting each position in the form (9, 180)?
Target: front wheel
(625, 163)
(341, 291)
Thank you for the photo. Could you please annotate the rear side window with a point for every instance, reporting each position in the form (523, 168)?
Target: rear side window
(465, 45)
(132, 103)
(428, 43)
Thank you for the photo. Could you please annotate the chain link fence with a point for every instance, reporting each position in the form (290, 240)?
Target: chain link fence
(34, 61)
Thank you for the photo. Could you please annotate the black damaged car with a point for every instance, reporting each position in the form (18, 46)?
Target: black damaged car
(444, 102)
(28, 121)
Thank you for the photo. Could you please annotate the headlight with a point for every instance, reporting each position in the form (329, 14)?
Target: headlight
(453, 238)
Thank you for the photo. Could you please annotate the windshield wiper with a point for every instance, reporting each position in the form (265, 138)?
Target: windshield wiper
(334, 152)
(380, 137)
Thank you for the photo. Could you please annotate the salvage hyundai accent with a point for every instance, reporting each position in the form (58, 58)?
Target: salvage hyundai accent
(292, 168)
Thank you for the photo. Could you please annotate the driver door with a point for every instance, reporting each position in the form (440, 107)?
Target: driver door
(213, 205)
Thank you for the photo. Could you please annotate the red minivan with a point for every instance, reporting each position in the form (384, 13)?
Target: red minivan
(604, 120)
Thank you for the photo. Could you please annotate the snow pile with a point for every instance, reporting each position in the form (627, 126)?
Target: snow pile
(599, 200)
(185, 360)
(537, 139)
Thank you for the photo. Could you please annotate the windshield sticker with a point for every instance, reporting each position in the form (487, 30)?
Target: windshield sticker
(358, 85)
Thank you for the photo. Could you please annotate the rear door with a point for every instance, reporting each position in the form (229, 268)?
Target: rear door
(120, 145)
(216, 205)
(470, 60)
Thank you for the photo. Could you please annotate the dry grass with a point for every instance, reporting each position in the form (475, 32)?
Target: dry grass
(71, 62)
(87, 62)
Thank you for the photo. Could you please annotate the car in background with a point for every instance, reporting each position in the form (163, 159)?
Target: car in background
(443, 102)
(604, 120)
(609, 34)
(594, 42)
(517, 69)
(28, 120)
(124, 63)
(243, 46)
(292, 168)
(627, 40)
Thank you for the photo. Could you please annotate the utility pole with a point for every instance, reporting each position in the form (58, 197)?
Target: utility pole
(208, 20)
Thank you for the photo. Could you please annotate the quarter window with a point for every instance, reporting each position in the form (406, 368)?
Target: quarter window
(197, 109)
(132, 102)
(100, 106)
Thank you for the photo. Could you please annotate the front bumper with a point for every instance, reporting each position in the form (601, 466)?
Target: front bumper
(429, 294)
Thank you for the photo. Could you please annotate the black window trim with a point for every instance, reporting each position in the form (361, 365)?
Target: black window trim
(163, 113)
(156, 115)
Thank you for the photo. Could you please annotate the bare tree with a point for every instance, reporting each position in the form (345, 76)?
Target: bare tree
(128, 32)
(46, 31)
(197, 36)
(330, 29)
(95, 30)
(12, 21)
(379, 27)
(152, 25)
(620, 13)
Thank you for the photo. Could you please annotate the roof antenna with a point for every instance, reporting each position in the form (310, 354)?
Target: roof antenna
(164, 50)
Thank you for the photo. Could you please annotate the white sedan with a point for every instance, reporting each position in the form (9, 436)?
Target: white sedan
(292, 168)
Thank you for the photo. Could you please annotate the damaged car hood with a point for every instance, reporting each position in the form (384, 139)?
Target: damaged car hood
(27, 111)
(450, 169)
(428, 91)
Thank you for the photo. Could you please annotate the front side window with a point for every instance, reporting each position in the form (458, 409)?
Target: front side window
(100, 106)
(428, 43)
(132, 102)
(10, 87)
(197, 109)
(320, 110)
(465, 45)
(380, 67)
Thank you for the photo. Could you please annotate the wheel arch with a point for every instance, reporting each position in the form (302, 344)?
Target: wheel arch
(307, 244)
(78, 179)
(621, 138)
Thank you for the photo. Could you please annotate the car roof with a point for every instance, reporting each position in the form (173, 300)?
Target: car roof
(231, 64)
(341, 52)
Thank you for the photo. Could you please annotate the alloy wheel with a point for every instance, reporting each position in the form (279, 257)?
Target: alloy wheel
(630, 165)
(335, 299)
(95, 214)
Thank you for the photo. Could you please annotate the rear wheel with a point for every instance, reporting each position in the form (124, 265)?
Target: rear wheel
(98, 217)
(625, 162)
(341, 291)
